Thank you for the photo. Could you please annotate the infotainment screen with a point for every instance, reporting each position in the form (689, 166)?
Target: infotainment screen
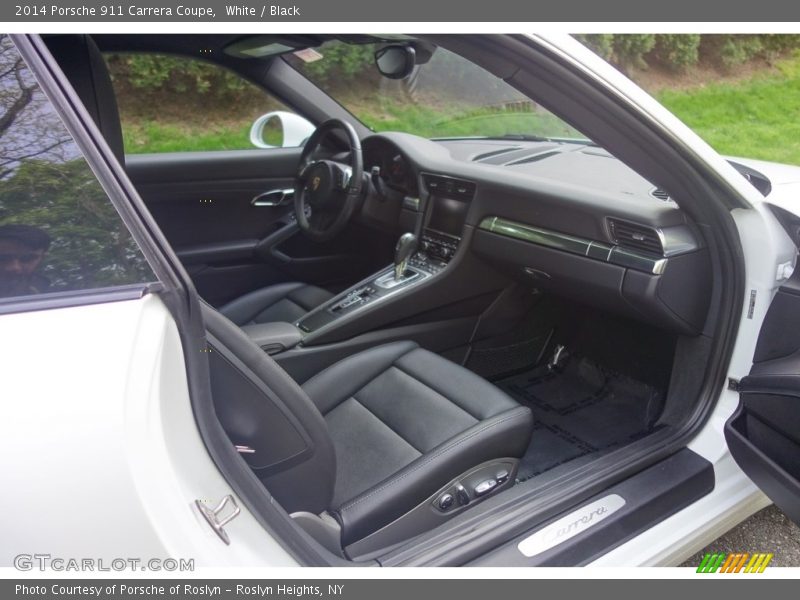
(447, 215)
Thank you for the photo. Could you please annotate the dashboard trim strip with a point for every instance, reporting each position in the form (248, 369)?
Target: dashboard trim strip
(623, 257)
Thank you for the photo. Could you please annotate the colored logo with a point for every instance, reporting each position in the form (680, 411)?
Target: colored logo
(740, 562)
(315, 183)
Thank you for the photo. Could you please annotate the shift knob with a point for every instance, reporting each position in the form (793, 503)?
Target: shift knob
(406, 246)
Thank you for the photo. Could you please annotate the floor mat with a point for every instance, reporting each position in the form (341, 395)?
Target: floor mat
(580, 408)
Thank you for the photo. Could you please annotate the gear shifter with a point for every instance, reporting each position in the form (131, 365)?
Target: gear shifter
(406, 246)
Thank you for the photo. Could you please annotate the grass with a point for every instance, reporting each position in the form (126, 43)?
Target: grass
(438, 123)
(756, 118)
(155, 136)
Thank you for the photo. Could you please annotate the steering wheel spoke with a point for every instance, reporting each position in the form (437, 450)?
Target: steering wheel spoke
(331, 189)
(321, 220)
(305, 169)
(342, 175)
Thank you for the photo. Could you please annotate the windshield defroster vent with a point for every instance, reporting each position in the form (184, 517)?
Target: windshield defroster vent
(534, 158)
(493, 153)
(633, 235)
(516, 155)
(660, 193)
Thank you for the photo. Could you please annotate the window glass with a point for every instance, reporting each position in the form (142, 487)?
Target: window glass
(58, 229)
(445, 96)
(178, 104)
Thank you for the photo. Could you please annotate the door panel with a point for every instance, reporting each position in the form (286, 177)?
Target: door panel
(204, 204)
(763, 435)
(201, 198)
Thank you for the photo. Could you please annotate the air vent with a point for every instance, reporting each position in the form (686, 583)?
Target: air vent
(534, 158)
(496, 157)
(632, 235)
(493, 153)
(660, 193)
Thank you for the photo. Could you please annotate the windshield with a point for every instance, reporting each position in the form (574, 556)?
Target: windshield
(447, 96)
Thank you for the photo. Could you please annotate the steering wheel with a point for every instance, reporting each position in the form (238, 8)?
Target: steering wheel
(327, 191)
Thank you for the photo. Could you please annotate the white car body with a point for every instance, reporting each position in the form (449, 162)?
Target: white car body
(120, 463)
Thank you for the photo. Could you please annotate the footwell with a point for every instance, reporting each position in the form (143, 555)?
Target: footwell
(580, 408)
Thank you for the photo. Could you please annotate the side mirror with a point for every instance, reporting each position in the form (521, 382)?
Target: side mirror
(293, 129)
(395, 61)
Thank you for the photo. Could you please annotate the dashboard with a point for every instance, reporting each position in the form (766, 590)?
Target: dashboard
(566, 218)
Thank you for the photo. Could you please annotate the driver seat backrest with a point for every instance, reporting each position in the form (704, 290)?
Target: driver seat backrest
(82, 62)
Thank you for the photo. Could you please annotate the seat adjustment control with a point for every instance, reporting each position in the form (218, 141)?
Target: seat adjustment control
(486, 486)
(462, 495)
(446, 501)
(474, 486)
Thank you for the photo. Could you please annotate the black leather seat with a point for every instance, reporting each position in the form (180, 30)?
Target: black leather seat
(282, 302)
(404, 422)
(84, 66)
(377, 433)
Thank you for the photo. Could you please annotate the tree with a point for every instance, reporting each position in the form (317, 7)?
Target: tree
(28, 130)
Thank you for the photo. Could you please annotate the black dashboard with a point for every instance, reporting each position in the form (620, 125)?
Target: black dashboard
(563, 217)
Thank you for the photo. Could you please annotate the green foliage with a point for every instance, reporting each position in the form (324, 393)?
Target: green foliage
(91, 247)
(176, 75)
(777, 44)
(677, 51)
(680, 51)
(757, 118)
(732, 50)
(342, 64)
(630, 49)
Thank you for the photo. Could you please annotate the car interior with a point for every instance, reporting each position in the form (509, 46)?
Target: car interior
(428, 326)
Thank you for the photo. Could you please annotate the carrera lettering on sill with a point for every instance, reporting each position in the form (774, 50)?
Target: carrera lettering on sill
(571, 525)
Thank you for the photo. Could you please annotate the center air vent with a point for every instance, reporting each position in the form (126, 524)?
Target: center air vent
(633, 235)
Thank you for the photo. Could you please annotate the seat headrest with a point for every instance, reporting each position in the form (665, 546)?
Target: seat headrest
(81, 61)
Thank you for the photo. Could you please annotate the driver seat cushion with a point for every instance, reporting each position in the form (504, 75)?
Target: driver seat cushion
(284, 302)
(405, 421)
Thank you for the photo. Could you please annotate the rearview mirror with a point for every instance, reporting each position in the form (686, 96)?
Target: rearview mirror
(291, 130)
(395, 61)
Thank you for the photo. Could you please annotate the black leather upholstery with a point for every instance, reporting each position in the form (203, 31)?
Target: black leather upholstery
(404, 421)
(83, 64)
(242, 376)
(282, 302)
(384, 428)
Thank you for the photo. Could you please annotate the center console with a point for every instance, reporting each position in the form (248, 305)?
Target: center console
(441, 228)
(448, 203)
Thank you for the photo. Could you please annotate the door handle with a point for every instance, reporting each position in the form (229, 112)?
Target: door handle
(274, 198)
